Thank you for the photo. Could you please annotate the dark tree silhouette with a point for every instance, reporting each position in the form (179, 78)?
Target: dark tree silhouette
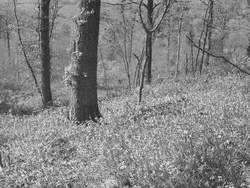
(150, 9)
(81, 74)
(45, 52)
(150, 28)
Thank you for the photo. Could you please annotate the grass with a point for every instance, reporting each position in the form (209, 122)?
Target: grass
(192, 133)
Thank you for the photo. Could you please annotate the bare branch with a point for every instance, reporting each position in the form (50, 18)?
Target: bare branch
(24, 52)
(155, 27)
(218, 56)
(53, 18)
(123, 4)
(156, 5)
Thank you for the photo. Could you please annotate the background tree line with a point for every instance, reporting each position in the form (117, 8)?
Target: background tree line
(156, 39)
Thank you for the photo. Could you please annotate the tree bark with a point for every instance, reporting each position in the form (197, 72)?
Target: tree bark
(45, 53)
(150, 8)
(83, 73)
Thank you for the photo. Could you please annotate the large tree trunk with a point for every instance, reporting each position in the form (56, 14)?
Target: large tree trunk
(45, 53)
(83, 103)
(150, 9)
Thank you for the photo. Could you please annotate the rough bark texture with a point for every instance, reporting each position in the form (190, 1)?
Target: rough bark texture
(83, 68)
(45, 53)
(150, 6)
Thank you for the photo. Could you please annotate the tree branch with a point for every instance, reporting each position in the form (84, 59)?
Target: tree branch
(24, 52)
(155, 27)
(218, 56)
(53, 18)
(124, 4)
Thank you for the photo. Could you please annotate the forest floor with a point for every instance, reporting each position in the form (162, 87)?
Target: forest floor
(193, 133)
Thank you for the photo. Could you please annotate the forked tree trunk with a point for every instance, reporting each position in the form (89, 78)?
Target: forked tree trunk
(45, 53)
(83, 73)
(149, 35)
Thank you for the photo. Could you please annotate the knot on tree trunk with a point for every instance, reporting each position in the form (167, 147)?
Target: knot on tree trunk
(82, 18)
(71, 72)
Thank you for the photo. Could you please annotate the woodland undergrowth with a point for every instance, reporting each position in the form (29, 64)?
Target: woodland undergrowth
(193, 133)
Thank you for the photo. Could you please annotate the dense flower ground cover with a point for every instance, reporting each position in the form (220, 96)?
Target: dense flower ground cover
(194, 133)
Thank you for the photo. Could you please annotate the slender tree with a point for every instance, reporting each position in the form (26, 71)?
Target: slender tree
(248, 48)
(169, 36)
(81, 74)
(150, 30)
(149, 35)
(210, 29)
(27, 61)
(45, 52)
(7, 36)
(177, 71)
(150, 27)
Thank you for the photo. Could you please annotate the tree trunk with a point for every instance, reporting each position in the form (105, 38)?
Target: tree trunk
(45, 53)
(248, 48)
(191, 35)
(150, 9)
(83, 103)
(148, 58)
(201, 36)
(169, 41)
(179, 48)
(7, 37)
(210, 29)
(204, 47)
(186, 65)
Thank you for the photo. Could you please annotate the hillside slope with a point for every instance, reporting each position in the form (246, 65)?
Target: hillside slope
(190, 134)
